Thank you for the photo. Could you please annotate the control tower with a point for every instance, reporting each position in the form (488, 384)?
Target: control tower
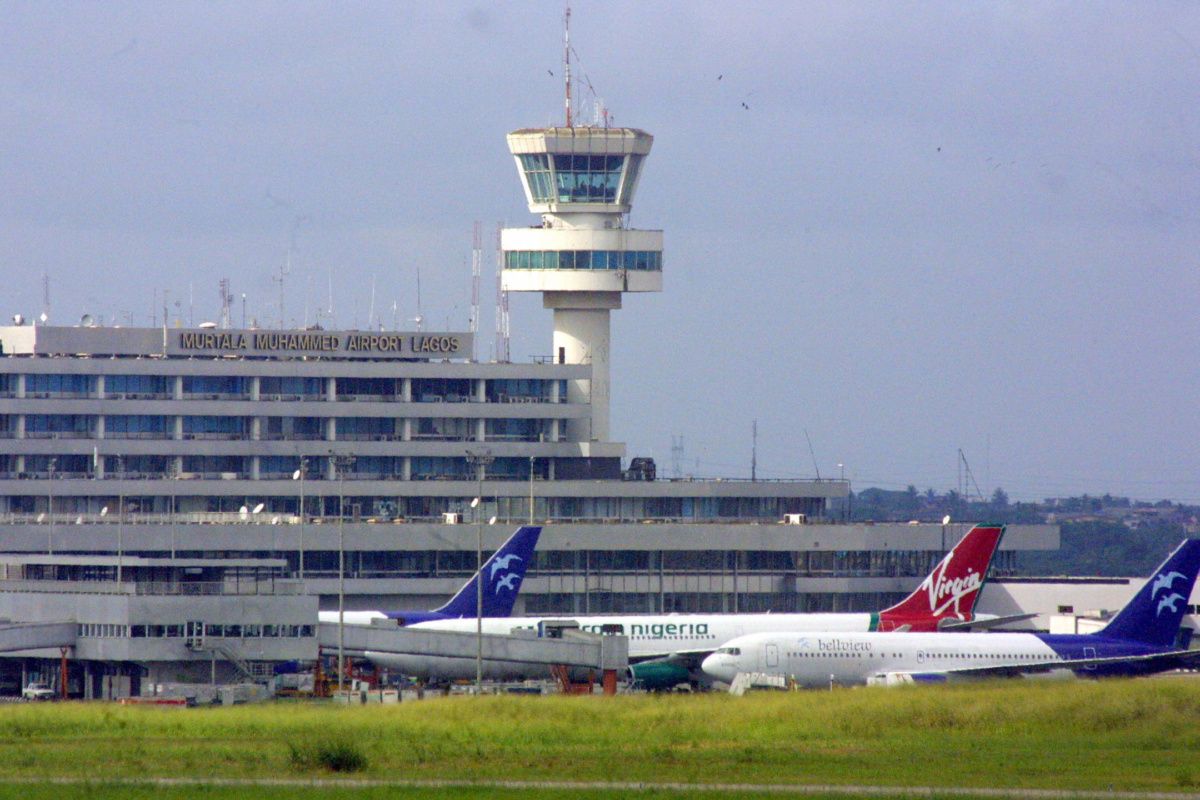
(582, 257)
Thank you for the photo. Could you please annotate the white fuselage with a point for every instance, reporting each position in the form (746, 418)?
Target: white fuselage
(650, 636)
(657, 635)
(816, 658)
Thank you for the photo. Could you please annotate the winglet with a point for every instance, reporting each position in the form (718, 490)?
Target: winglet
(502, 576)
(950, 591)
(1155, 613)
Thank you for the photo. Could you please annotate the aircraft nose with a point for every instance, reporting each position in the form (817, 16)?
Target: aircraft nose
(718, 666)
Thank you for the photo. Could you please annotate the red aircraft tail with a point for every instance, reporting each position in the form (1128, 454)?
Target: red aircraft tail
(950, 591)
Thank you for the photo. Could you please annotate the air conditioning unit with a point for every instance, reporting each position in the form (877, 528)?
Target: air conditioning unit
(794, 519)
(452, 517)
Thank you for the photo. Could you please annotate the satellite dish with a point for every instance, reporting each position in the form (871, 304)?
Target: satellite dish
(44, 318)
(41, 516)
(492, 521)
(274, 520)
(258, 508)
(296, 475)
(18, 319)
(87, 321)
(474, 502)
(946, 520)
(243, 512)
(208, 325)
(104, 511)
(79, 520)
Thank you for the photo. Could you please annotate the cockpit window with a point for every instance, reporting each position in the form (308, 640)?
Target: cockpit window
(730, 651)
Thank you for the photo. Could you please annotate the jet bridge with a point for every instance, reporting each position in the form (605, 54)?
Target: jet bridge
(15, 636)
(608, 654)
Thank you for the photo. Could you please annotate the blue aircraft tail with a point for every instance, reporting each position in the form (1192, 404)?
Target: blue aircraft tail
(1155, 613)
(502, 576)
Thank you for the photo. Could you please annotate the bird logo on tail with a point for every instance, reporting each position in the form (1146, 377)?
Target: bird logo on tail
(503, 562)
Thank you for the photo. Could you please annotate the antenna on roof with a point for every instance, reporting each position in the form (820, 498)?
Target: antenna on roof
(476, 263)
(45, 297)
(285, 269)
(813, 454)
(503, 353)
(418, 318)
(226, 302)
(371, 308)
(567, 62)
(754, 451)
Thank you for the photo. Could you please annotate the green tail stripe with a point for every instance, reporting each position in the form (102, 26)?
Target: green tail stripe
(874, 621)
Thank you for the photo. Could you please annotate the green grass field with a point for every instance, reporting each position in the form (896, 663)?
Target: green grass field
(1125, 735)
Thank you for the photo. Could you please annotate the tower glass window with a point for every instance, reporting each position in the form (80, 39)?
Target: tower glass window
(642, 260)
(587, 179)
(537, 172)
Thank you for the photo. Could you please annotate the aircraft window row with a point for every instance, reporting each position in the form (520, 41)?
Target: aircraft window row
(674, 636)
(1010, 657)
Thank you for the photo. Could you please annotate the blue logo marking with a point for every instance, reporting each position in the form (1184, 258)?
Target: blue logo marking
(503, 562)
(1165, 582)
(508, 582)
(1168, 601)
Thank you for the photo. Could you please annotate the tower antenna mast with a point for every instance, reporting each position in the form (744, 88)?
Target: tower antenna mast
(476, 268)
(567, 62)
(503, 352)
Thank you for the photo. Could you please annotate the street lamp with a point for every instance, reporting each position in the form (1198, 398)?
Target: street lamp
(479, 460)
(173, 472)
(120, 516)
(50, 508)
(298, 475)
(531, 489)
(340, 465)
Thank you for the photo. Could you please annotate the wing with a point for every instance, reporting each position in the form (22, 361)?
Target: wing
(982, 624)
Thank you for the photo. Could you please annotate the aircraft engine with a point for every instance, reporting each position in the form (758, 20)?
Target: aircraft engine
(658, 676)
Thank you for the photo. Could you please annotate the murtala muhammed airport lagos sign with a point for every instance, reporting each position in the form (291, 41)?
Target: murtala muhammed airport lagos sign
(323, 343)
(218, 342)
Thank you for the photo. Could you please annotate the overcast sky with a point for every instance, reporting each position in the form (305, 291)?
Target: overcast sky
(936, 225)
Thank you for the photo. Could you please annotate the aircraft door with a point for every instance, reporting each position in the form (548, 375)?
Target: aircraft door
(771, 656)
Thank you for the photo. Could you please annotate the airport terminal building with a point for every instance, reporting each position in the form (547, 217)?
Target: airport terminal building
(314, 448)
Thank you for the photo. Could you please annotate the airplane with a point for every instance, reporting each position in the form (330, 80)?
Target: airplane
(503, 573)
(1143, 638)
(666, 649)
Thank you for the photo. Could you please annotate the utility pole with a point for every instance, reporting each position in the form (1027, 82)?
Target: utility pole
(479, 460)
(298, 475)
(340, 465)
(50, 507)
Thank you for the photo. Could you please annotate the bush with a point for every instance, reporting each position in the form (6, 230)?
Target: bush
(333, 756)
